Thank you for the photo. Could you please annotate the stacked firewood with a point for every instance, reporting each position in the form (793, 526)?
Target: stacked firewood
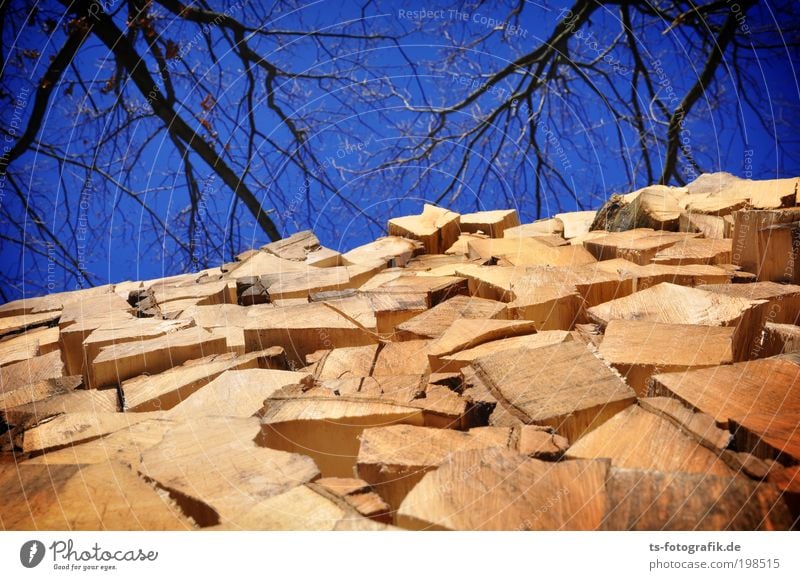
(632, 368)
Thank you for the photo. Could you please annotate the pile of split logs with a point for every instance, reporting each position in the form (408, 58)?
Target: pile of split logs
(632, 368)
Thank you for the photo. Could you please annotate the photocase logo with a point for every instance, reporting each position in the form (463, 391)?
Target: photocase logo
(31, 553)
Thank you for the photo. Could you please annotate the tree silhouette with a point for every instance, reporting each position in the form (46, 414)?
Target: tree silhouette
(149, 132)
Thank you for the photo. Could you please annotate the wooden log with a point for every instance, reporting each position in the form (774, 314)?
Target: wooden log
(437, 289)
(543, 227)
(215, 479)
(770, 254)
(528, 252)
(235, 393)
(354, 361)
(780, 339)
(303, 329)
(711, 226)
(656, 501)
(392, 251)
(26, 372)
(38, 391)
(103, 496)
(13, 324)
(567, 495)
(655, 206)
(701, 427)
(75, 401)
(18, 347)
(295, 247)
(721, 193)
(358, 494)
(165, 390)
(672, 304)
(357, 308)
(643, 277)
(402, 358)
(492, 223)
(118, 362)
(563, 386)
(461, 245)
(754, 394)
(458, 360)
(434, 322)
(637, 439)
(467, 333)
(639, 246)
(696, 251)
(576, 223)
(72, 428)
(328, 430)
(125, 446)
(436, 228)
(639, 349)
(783, 300)
(596, 283)
(392, 310)
(556, 307)
(394, 459)
(265, 263)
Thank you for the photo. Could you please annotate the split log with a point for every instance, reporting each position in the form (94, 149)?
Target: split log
(566, 496)
(529, 252)
(436, 228)
(468, 333)
(672, 304)
(27, 372)
(13, 324)
(38, 391)
(711, 226)
(235, 393)
(492, 223)
(216, 479)
(103, 496)
(696, 251)
(328, 430)
(125, 446)
(639, 246)
(543, 227)
(165, 390)
(437, 289)
(394, 459)
(768, 252)
(353, 361)
(392, 310)
(434, 322)
(402, 358)
(75, 401)
(656, 206)
(639, 349)
(391, 251)
(118, 362)
(303, 329)
(563, 386)
(295, 247)
(576, 223)
(721, 193)
(643, 277)
(701, 427)
(754, 394)
(461, 245)
(458, 360)
(557, 307)
(596, 283)
(637, 439)
(359, 495)
(29, 344)
(651, 500)
(780, 339)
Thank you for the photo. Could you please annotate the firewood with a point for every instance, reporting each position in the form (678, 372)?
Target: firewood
(458, 360)
(491, 223)
(238, 393)
(391, 251)
(30, 371)
(392, 310)
(721, 193)
(461, 245)
(436, 228)
(769, 253)
(566, 496)
(303, 329)
(754, 394)
(696, 251)
(22, 394)
(394, 459)
(103, 496)
(359, 495)
(635, 438)
(576, 223)
(780, 339)
(437, 289)
(697, 425)
(402, 358)
(216, 479)
(563, 386)
(12, 324)
(165, 390)
(75, 401)
(468, 333)
(639, 246)
(529, 252)
(544, 227)
(657, 207)
(652, 500)
(125, 445)
(353, 361)
(643, 277)
(18, 347)
(783, 300)
(672, 304)
(295, 247)
(639, 349)
(434, 322)
(711, 226)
